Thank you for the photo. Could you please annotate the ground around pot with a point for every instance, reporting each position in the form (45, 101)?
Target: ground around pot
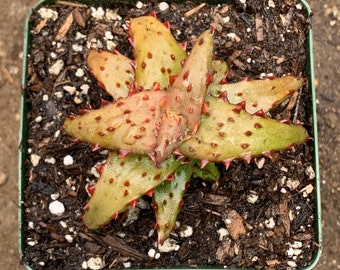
(326, 22)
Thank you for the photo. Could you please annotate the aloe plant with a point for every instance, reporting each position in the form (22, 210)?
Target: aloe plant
(172, 110)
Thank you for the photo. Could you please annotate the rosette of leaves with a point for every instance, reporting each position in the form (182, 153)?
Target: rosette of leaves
(173, 113)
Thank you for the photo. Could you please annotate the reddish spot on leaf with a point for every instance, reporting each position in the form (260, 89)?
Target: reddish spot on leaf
(248, 133)
(245, 145)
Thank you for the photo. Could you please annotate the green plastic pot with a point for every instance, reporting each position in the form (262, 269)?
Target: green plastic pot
(309, 70)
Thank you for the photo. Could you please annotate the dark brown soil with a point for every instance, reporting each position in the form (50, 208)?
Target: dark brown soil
(279, 224)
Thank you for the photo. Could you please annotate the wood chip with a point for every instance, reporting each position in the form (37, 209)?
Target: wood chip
(292, 101)
(224, 10)
(284, 213)
(272, 262)
(259, 27)
(40, 26)
(234, 224)
(123, 247)
(71, 4)
(215, 199)
(224, 251)
(78, 17)
(194, 10)
(65, 27)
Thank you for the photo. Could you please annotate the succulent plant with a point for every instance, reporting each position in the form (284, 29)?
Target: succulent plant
(171, 111)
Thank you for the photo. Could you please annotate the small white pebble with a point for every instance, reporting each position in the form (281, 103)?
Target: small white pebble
(290, 252)
(35, 159)
(226, 19)
(231, 35)
(297, 251)
(56, 208)
(157, 255)
(248, 29)
(84, 88)
(38, 119)
(41, 263)
(222, 232)
(151, 233)
(63, 224)
(227, 221)
(57, 133)
(139, 5)
(30, 225)
(112, 16)
(269, 223)
(310, 172)
(271, 4)
(291, 263)
(53, 55)
(252, 198)
(47, 13)
(127, 264)
(79, 73)
(255, 259)
(97, 13)
(31, 243)
(110, 45)
(80, 36)
(69, 238)
(84, 265)
(121, 234)
(167, 246)
(296, 244)
(95, 172)
(70, 89)
(284, 169)
(187, 232)
(293, 184)
(307, 190)
(77, 48)
(95, 263)
(298, 6)
(77, 99)
(283, 190)
(54, 196)
(152, 253)
(163, 6)
(68, 160)
(59, 94)
(56, 68)
(108, 35)
(45, 98)
(243, 1)
(50, 160)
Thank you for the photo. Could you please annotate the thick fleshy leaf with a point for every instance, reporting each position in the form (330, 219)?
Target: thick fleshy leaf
(113, 72)
(183, 107)
(122, 182)
(258, 95)
(229, 132)
(209, 172)
(156, 51)
(168, 199)
(130, 124)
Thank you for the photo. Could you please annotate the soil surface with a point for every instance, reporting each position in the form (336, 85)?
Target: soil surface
(326, 26)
